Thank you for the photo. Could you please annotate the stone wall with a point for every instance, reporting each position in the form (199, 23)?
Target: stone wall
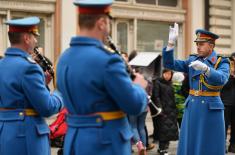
(221, 23)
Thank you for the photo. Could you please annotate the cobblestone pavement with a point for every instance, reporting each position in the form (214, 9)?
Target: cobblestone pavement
(172, 147)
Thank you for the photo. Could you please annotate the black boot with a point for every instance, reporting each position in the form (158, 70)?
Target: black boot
(162, 152)
(60, 152)
(231, 148)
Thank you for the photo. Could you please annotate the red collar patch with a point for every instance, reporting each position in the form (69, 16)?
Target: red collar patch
(213, 59)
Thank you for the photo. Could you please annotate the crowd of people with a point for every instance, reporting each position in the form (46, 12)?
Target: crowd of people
(107, 100)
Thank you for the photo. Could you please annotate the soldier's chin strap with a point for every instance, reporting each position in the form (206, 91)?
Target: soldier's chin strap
(202, 78)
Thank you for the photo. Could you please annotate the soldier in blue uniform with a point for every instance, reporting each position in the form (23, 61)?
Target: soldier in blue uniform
(24, 98)
(96, 88)
(202, 130)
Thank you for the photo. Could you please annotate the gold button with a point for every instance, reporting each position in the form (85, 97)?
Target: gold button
(196, 93)
(21, 113)
(98, 120)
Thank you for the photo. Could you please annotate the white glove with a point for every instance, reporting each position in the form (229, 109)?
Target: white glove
(198, 65)
(173, 34)
(139, 79)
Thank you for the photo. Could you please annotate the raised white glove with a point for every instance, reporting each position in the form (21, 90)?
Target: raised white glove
(173, 34)
(198, 65)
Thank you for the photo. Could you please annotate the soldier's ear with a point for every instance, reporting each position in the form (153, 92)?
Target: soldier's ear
(25, 38)
(29, 38)
(101, 23)
(212, 45)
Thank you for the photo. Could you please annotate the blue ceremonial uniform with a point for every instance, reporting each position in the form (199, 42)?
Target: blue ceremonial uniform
(96, 89)
(24, 101)
(92, 79)
(202, 129)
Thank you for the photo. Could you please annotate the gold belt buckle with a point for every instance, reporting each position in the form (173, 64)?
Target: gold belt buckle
(196, 93)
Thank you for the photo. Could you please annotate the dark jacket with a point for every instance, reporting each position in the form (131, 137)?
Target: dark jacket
(185, 86)
(228, 92)
(163, 96)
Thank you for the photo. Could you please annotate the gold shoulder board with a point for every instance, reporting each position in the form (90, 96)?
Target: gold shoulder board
(108, 49)
(31, 60)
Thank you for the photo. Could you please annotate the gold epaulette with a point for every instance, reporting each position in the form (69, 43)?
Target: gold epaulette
(108, 49)
(31, 60)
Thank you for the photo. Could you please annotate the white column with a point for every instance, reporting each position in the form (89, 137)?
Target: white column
(114, 30)
(135, 33)
(49, 37)
(198, 16)
(69, 23)
(8, 18)
(4, 41)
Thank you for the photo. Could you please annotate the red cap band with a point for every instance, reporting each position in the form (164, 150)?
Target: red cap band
(205, 36)
(23, 28)
(94, 10)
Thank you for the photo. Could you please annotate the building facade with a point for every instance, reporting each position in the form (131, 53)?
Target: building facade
(141, 25)
(220, 18)
(45, 9)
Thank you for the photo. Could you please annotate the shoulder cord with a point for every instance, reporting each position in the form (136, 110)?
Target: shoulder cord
(202, 78)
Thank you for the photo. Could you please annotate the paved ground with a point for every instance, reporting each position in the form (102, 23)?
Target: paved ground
(172, 148)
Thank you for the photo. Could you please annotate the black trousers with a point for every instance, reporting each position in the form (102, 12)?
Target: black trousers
(154, 129)
(229, 115)
(164, 145)
(147, 137)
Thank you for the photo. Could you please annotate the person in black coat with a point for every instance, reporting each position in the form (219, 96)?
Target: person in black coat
(166, 122)
(228, 98)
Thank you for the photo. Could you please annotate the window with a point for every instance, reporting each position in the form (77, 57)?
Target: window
(171, 3)
(146, 1)
(122, 36)
(152, 36)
